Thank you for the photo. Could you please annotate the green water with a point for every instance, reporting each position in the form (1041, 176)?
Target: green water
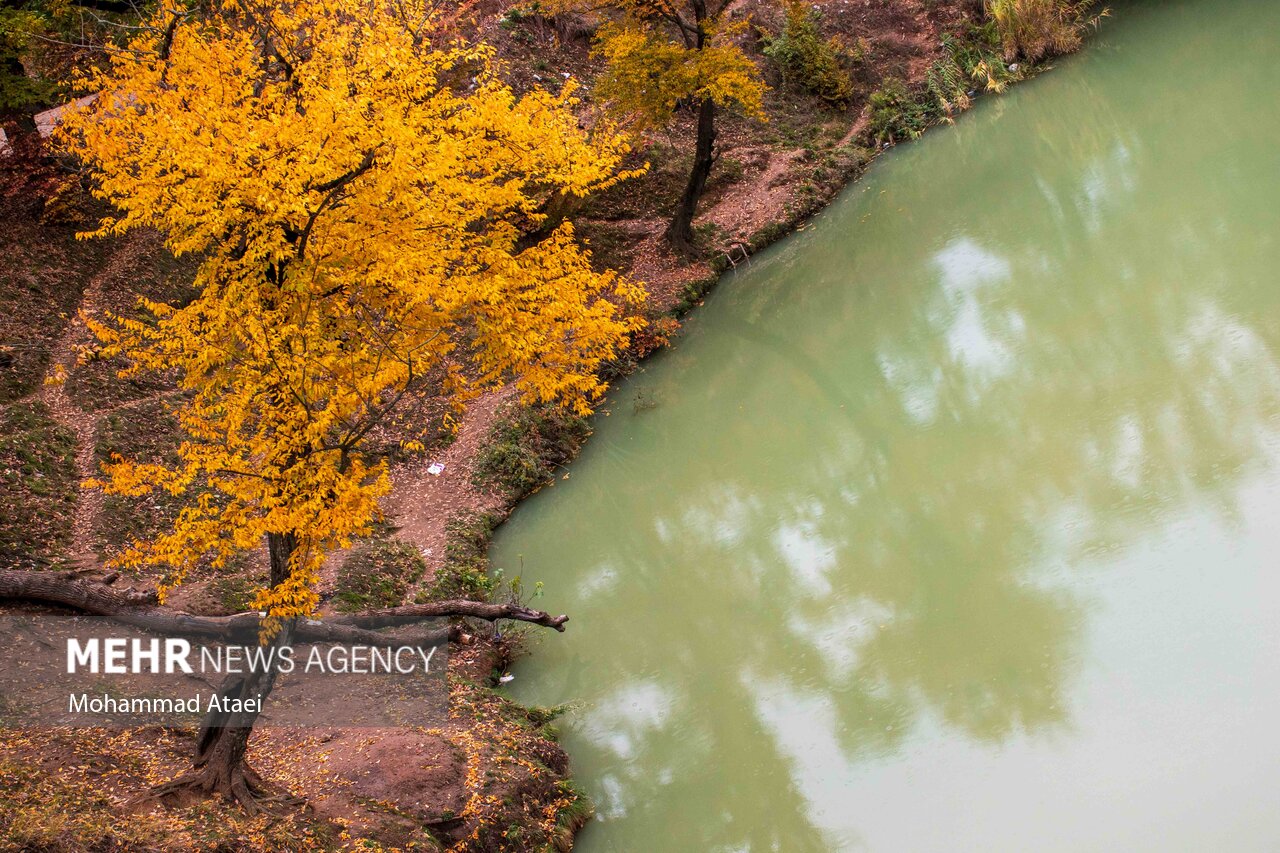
(952, 523)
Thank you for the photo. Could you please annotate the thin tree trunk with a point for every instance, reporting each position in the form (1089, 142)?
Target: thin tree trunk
(680, 231)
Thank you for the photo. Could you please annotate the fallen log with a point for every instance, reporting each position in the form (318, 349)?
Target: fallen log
(88, 596)
(409, 613)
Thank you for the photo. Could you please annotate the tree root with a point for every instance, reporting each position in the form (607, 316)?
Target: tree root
(241, 786)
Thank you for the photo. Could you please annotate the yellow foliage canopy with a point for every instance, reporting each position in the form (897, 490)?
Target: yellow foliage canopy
(663, 52)
(649, 73)
(359, 200)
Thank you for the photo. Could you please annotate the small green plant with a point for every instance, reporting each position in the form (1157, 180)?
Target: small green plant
(977, 53)
(526, 446)
(377, 574)
(947, 84)
(808, 59)
(514, 591)
(516, 15)
(896, 113)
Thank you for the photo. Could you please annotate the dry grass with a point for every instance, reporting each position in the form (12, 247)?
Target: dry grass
(1034, 29)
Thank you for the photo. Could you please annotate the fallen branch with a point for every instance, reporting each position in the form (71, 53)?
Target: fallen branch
(438, 609)
(96, 598)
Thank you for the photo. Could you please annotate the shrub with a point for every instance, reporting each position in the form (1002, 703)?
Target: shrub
(1034, 29)
(526, 446)
(377, 574)
(896, 113)
(806, 57)
(972, 61)
(518, 14)
(977, 53)
(947, 84)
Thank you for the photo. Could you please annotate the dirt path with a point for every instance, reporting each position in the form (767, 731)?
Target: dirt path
(764, 200)
(421, 504)
(53, 393)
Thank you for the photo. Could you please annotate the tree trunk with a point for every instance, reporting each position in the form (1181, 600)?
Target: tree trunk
(219, 766)
(680, 231)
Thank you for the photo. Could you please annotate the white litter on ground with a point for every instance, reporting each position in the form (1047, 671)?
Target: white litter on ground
(435, 469)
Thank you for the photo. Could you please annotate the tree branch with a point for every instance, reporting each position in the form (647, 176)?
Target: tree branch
(342, 180)
(331, 189)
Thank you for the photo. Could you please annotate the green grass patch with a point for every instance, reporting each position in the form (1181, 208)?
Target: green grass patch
(146, 432)
(465, 573)
(377, 574)
(526, 446)
(38, 487)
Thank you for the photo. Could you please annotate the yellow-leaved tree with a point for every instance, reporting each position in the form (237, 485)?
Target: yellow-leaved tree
(361, 201)
(662, 54)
